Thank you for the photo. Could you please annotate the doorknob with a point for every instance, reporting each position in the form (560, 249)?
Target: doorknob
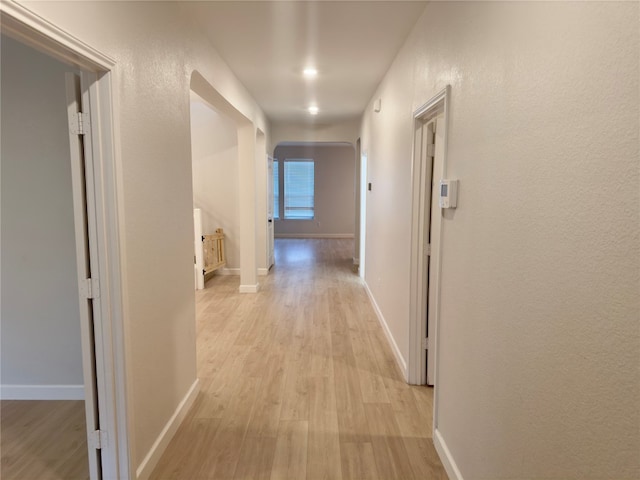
(270, 220)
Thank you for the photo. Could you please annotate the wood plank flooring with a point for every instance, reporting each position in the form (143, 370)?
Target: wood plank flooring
(43, 440)
(298, 381)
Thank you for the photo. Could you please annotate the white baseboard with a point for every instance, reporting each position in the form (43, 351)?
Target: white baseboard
(228, 271)
(262, 272)
(249, 288)
(394, 346)
(445, 456)
(150, 461)
(42, 392)
(314, 235)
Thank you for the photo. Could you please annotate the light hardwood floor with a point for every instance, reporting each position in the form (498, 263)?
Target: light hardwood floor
(298, 381)
(43, 440)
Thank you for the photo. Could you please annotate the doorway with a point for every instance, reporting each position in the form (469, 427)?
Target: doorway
(52, 161)
(249, 188)
(271, 192)
(358, 188)
(429, 166)
(364, 188)
(215, 181)
(42, 338)
(429, 142)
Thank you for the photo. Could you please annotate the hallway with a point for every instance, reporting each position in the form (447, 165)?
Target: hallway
(298, 381)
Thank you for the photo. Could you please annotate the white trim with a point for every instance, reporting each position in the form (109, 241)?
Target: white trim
(42, 392)
(263, 272)
(50, 38)
(314, 235)
(446, 458)
(228, 271)
(249, 288)
(392, 343)
(433, 104)
(160, 445)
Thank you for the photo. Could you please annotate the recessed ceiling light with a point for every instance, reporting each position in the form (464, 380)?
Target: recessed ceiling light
(310, 72)
(313, 110)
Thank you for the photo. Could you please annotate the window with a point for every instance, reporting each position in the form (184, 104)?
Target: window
(294, 189)
(298, 189)
(276, 189)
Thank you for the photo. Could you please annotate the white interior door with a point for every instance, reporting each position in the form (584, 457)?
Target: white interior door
(435, 219)
(429, 157)
(87, 261)
(430, 144)
(363, 211)
(270, 221)
(425, 144)
(197, 247)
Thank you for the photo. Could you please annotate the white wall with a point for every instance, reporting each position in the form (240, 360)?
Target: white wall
(539, 337)
(41, 345)
(156, 49)
(214, 151)
(334, 174)
(347, 131)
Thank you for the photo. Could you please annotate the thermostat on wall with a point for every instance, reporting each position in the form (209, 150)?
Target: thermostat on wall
(448, 193)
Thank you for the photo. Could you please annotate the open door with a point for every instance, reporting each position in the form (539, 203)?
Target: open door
(96, 223)
(363, 211)
(429, 144)
(424, 138)
(86, 254)
(428, 168)
(270, 220)
(433, 212)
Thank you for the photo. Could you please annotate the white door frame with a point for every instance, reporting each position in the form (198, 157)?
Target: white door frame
(416, 373)
(20, 23)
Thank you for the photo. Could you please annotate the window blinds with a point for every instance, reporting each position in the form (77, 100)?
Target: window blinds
(298, 189)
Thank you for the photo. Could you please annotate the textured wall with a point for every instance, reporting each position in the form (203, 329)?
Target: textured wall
(539, 333)
(40, 313)
(156, 50)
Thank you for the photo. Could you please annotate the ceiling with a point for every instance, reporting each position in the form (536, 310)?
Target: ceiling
(267, 44)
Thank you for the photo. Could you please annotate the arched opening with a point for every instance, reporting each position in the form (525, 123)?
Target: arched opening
(225, 149)
(214, 164)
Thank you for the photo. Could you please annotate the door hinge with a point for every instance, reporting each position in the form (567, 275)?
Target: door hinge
(425, 343)
(427, 250)
(79, 124)
(431, 150)
(98, 439)
(90, 288)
